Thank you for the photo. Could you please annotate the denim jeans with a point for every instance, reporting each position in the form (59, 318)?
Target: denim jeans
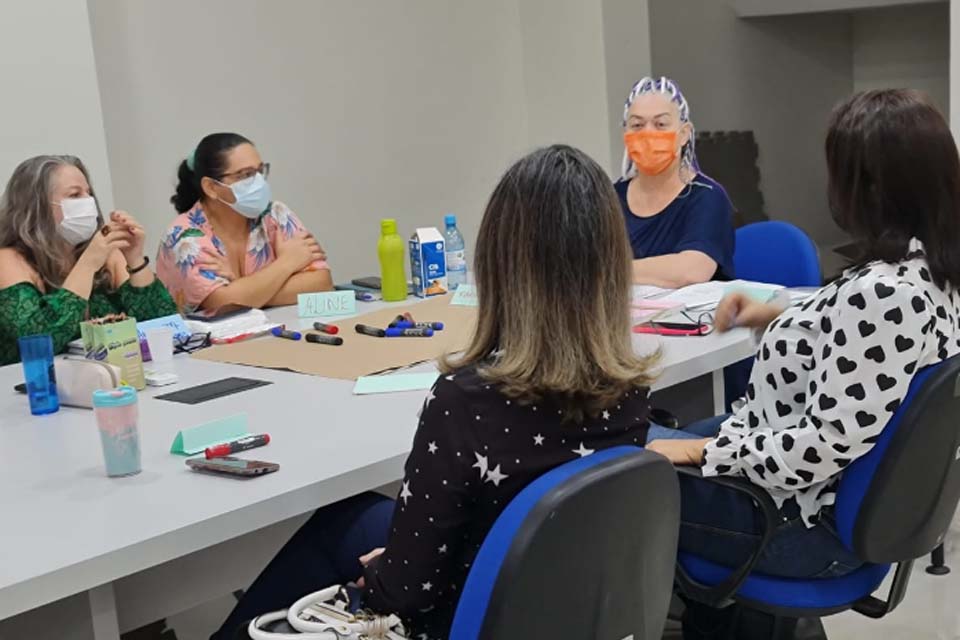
(721, 525)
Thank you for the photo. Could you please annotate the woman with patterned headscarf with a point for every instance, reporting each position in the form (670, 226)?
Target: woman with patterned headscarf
(679, 221)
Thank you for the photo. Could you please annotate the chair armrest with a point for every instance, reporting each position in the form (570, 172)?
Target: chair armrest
(721, 595)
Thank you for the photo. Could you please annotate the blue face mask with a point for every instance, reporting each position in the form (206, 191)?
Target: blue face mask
(252, 196)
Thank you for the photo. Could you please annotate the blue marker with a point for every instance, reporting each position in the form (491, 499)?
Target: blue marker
(363, 296)
(406, 324)
(280, 332)
(420, 332)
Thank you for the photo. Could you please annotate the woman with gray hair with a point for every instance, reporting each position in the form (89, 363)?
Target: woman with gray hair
(60, 263)
(678, 220)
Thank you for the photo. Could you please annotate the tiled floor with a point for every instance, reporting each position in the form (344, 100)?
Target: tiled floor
(930, 611)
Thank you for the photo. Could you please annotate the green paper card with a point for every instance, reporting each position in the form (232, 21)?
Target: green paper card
(394, 382)
(195, 439)
(465, 296)
(327, 303)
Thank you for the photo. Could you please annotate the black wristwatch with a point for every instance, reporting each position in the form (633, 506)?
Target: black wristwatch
(146, 261)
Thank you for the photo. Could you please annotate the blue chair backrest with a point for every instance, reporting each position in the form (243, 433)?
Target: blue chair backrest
(895, 503)
(585, 551)
(778, 253)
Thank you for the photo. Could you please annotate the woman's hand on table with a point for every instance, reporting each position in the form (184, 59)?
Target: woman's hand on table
(740, 310)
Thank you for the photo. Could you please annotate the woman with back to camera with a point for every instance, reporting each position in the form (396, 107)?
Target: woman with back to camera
(830, 372)
(61, 263)
(233, 245)
(679, 221)
(536, 387)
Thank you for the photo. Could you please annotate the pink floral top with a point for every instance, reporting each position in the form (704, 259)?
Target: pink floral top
(191, 232)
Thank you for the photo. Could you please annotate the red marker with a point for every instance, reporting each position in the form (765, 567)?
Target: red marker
(326, 328)
(243, 444)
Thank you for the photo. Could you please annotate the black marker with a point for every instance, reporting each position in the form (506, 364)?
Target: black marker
(326, 328)
(322, 339)
(367, 330)
(423, 332)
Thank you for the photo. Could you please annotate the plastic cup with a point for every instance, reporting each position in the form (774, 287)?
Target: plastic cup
(36, 354)
(160, 343)
(116, 413)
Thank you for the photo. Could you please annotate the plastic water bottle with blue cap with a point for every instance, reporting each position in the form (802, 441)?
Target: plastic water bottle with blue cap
(456, 253)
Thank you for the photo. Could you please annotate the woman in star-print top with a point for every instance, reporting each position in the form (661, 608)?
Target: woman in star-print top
(831, 371)
(539, 385)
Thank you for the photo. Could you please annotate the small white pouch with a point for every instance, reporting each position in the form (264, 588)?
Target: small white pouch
(78, 378)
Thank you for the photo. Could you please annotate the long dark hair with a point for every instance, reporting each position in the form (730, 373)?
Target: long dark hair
(553, 280)
(894, 174)
(207, 161)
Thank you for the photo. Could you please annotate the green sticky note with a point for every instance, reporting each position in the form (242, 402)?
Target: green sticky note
(394, 382)
(465, 296)
(195, 439)
(327, 303)
(758, 293)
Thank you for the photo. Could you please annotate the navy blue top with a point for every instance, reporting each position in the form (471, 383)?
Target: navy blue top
(699, 219)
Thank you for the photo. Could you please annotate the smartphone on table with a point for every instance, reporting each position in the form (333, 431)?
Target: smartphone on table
(231, 466)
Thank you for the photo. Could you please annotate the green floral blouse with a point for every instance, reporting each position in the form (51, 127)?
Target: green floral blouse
(25, 311)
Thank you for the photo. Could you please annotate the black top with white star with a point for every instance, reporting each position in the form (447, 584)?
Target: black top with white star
(829, 375)
(475, 449)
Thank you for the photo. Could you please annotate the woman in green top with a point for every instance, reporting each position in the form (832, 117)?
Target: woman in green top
(61, 264)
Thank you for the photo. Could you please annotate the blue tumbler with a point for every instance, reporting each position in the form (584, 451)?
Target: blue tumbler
(36, 354)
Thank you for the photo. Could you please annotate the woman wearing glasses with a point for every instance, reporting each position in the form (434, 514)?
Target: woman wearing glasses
(233, 245)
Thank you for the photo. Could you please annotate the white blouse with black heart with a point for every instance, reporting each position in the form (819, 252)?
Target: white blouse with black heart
(828, 376)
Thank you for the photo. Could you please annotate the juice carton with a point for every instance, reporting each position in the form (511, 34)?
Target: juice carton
(428, 262)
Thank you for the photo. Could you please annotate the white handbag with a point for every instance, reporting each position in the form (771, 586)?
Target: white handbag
(323, 615)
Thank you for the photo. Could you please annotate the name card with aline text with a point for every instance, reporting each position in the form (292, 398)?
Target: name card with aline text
(327, 303)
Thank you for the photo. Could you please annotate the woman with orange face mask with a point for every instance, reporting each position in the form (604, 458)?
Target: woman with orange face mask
(679, 221)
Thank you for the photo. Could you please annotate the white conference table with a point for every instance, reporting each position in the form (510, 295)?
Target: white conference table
(67, 528)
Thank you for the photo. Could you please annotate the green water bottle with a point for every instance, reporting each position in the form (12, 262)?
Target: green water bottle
(390, 249)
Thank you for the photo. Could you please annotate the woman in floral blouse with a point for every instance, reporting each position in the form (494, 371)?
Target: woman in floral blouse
(61, 263)
(232, 245)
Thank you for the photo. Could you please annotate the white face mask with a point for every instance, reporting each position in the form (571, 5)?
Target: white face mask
(79, 219)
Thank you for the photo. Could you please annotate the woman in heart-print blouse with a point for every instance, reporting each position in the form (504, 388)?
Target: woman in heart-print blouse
(830, 372)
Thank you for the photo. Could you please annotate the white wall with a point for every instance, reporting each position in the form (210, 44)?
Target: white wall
(626, 29)
(50, 98)
(565, 89)
(366, 108)
(904, 47)
(779, 77)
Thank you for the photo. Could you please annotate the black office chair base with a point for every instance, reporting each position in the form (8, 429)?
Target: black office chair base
(938, 566)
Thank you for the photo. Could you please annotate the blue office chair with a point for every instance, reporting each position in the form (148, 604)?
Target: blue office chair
(585, 551)
(893, 505)
(777, 253)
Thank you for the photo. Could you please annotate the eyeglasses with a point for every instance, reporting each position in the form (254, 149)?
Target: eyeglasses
(704, 322)
(243, 174)
(195, 342)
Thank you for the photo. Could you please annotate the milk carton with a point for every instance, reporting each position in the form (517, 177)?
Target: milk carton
(428, 262)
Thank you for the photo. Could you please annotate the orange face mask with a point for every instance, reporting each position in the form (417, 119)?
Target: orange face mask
(652, 152)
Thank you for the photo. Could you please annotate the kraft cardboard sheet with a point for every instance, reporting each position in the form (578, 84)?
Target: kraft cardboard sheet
(359, 355)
